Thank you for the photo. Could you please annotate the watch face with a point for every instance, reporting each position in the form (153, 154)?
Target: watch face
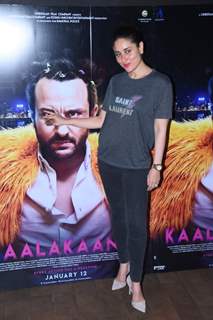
(157, 167)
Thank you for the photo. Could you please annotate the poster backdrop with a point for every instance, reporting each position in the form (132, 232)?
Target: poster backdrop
(44, 242)
(54, 223)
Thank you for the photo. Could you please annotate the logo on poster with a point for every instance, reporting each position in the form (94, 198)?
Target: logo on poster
(144, 16)
(160, 268)
(159, 14)
(144, 13)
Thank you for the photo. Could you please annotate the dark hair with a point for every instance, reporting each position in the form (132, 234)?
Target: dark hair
(128, 32)
(60, 70)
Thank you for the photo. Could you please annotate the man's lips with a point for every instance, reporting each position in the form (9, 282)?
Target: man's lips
(62, 143)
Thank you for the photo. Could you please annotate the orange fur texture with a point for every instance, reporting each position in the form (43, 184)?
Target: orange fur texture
(18, 169)
(187, 160)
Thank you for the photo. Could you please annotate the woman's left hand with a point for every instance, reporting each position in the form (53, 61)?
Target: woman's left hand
(153, 179)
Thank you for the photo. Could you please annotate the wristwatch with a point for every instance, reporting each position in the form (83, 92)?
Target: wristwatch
(157, 166)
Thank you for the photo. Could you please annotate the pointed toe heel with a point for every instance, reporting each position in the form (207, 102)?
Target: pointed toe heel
(116, 285)
(140, 305)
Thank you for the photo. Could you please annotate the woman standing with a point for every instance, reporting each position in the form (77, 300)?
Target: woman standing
(133, 119)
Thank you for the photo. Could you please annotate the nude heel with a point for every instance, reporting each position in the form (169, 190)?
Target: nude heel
(138, 305)
(116, 285)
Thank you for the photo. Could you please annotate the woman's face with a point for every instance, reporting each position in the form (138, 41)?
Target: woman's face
(128, 53)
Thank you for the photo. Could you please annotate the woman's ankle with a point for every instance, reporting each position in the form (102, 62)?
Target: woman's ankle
(123, 271)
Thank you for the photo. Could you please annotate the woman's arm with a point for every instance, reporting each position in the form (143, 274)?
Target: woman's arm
(160, 129)
(93, 122)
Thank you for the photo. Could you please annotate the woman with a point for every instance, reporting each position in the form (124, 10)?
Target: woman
(134, 117)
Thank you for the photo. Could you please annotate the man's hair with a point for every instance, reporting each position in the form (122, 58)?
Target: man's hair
(128, 32)
(60, 70)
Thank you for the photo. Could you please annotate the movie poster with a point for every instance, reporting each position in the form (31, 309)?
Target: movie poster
(181, 220)
(45, 240)
(177, 42)
(54, 216)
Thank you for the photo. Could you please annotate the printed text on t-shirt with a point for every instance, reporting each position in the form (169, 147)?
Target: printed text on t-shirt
(127, 105)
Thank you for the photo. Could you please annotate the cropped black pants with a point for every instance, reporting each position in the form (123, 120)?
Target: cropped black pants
(126, 191)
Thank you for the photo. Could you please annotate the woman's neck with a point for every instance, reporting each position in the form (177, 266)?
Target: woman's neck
(141, 71)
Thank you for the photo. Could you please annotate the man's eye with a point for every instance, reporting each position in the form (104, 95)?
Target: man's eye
(44, 113)
(73, 114)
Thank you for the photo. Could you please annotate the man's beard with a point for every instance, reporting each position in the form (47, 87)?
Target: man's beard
(48, 152)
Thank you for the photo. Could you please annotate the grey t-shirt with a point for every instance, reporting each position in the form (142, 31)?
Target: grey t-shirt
(131, 107)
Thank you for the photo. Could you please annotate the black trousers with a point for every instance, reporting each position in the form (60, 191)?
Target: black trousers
(126, 191)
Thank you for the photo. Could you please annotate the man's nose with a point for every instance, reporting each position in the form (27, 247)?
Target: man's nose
(62, 130)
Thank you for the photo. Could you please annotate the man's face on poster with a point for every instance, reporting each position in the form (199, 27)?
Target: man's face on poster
(70, 99)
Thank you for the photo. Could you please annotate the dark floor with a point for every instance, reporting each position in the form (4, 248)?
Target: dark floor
(183, 295)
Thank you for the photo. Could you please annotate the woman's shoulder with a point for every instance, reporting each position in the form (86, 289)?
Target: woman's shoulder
(118, 76)
(161, 77)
